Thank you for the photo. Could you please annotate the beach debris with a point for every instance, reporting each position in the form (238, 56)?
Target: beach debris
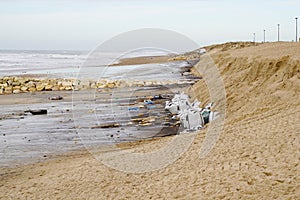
(149, 107)
(155, 97)
(148, 102)
(191, 116)
(202, 51)
(55, 98)
(144, 120)
(134, 109)
(112, 125)
(191, 119)
(179, 102)
(37, 112)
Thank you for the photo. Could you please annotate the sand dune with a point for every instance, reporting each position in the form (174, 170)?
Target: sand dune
(256, 157)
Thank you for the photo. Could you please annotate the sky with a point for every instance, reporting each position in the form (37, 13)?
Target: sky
(84, 24)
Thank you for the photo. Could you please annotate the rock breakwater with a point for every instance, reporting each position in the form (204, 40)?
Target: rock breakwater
(15, 85)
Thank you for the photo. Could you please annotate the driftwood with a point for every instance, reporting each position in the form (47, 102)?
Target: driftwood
(37, 112)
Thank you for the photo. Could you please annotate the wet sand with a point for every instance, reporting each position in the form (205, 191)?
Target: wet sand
(76, 120)
(143, 60)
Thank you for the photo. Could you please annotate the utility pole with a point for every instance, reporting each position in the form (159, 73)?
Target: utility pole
(254, 37)
(264, 35)
(296, 29)
(278, 32)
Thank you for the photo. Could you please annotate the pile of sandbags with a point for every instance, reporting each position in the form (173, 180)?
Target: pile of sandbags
(191, 116)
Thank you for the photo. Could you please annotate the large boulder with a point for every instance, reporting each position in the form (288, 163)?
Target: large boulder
(24, 88)
(31, 89)
(3, 85)
(48, 87)
(30, 84)
(16, 91)
(55, 88)
(15, 83)
(8, 90)
(16, 87)
(40, 87)
(68, 88)
(67, 84)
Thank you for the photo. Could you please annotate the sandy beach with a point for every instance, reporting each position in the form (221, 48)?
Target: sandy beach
(255, 157)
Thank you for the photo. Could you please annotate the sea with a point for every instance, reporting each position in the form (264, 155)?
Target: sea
(75, 64)
(27, 62)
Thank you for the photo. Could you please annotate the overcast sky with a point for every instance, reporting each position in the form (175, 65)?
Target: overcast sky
(83, 24)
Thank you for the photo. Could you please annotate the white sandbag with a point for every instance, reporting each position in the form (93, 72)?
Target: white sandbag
(202, 51)
(196, 105)
(184, 120)
(172, 108)
(213, 116)
(195, 120)
(184, 104)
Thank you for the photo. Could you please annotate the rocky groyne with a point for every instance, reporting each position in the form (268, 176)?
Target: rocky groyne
(16, 85)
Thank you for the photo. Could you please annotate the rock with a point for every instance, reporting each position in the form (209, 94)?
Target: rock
(110, 85)
(24, 88)
(68, 88)
(101, 86)
(3, 85)
(17, 88)
(17, 91)
(40, 87)
(148, 83)
(22, 82)
(59, 83)
(61, 88)
(139, 83)
(6, 78)
(52, 82)
(56, 98)
(93, 86)
(16, 79)
(32, 89)
(1, 91)
(8, 90)
(9, 82)
(117, 83)
(67, 84)
(55, 88)
(16, 83)
(48, 87)
(30, 84)
(85, 83)
(129, 83)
